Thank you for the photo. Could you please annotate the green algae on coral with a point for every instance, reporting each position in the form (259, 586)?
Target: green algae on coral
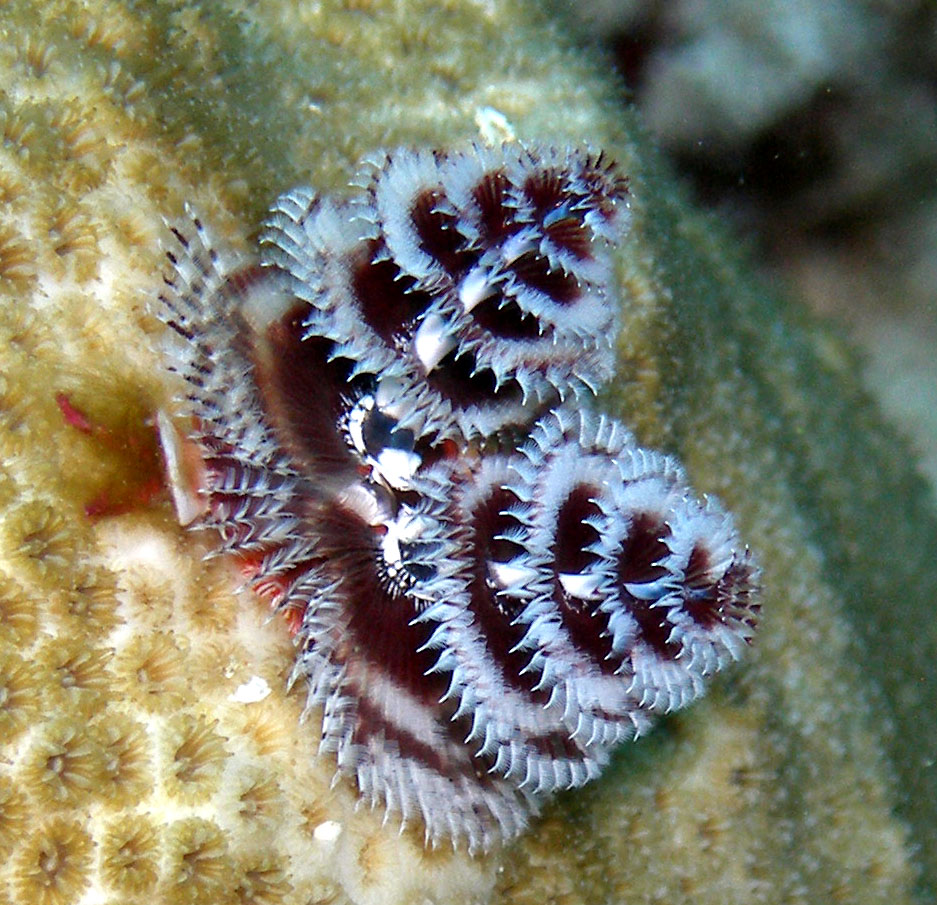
(807, 774)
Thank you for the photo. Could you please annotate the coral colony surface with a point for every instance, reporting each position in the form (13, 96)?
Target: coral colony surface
(389, 417)
(152, 748)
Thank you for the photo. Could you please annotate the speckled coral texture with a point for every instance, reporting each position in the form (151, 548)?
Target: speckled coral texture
(140, 763)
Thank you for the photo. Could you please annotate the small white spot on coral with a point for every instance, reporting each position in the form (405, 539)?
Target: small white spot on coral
(493, 126)
(250, 692)
(328, 831)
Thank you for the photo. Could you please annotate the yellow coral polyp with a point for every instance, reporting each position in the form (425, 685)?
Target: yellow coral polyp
(79, 674)
(258, 797)
(268, 726)
(17, 261)
(108, 27)
(65, 764)
(18, 129)
(200, 870)
(261, 879)
(21, 685)
(74, 240)
(37, 55)
(130, 855)
(212, 607)
(36, 536)
(12, 187)
(127, 769)
(195, 755)
(19, 613)
(53, 866)
(24, 333)
(135, 230)
(87, 606)
(14, 815)
(83, 130)
(148, 600)
(150, 670)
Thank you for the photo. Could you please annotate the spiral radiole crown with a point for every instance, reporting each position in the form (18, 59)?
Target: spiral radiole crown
(489, 587)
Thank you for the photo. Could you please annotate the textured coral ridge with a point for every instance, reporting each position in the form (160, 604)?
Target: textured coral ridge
(489, 588)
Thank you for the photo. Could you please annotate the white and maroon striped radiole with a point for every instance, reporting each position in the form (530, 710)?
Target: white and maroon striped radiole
(386, 423)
